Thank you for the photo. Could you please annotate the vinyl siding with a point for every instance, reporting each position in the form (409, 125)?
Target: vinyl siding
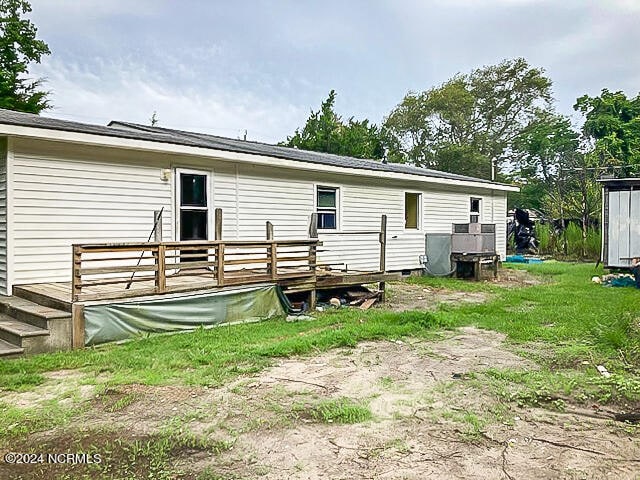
(65, 194)
(3, 215)
(59, 201)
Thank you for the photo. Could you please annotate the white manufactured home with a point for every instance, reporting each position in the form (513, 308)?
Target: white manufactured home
(66, 183)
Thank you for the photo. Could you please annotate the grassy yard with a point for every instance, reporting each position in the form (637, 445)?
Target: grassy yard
(564, 323)
(569, 319)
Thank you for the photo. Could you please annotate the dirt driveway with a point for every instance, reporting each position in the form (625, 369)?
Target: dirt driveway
(426, 415)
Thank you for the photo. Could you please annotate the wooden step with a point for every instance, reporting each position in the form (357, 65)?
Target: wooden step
(19, 333)
(42, 295)
(8, 350)
(30, 312)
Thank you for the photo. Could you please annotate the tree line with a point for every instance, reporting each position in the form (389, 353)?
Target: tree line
(498, 122)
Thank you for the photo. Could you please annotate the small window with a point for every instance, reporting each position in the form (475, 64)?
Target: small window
(193, 190)
(412, 210)
(327, 208)
(474, 210)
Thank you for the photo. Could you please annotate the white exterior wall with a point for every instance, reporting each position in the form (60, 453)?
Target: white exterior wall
(64, 194)
(93, 196)
(3, 215)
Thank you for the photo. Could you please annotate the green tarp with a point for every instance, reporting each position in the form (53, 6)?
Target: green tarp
(128, 319)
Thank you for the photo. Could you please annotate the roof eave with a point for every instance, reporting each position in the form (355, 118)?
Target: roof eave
(227, 155)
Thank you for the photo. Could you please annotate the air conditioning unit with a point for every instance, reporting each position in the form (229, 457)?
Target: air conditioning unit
(473, 238)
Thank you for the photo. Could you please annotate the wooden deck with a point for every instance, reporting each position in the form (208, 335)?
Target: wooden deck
(110, 272)
(58, 294)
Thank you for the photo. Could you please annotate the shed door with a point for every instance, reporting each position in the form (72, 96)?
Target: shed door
(619, 234)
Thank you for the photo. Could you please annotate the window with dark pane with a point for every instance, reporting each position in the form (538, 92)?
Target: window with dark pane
(193, 190)
(193, 224)
(327, 208)
(474, 210)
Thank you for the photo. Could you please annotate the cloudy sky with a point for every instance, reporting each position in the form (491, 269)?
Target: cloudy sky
(222, 67)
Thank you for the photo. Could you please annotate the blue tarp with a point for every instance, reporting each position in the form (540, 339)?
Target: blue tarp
(522, 259)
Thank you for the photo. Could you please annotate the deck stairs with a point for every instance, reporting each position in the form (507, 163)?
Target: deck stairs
(27, 327)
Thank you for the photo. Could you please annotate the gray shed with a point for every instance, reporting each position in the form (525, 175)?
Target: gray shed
(620, 221)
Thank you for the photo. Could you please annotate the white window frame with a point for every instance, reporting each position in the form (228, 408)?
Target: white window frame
(419, 212)
(479, 212)
(178, 195)
(338, 206)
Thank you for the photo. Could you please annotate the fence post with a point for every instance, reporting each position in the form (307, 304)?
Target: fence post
(76, 280)
(269, 231)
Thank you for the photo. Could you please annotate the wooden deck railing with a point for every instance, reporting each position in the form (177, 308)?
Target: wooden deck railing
(117, 270)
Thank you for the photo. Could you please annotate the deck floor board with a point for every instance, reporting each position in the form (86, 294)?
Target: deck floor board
(61, 291)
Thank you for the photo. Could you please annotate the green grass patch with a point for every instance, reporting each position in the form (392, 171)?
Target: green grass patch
(21, 381)
(561, 323)
(340, 410)
(570, 314)
(456, 284)
(214, 356)
(17, 421)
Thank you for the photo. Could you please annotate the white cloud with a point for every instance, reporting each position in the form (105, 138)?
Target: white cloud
(263, 65)
(130, 91)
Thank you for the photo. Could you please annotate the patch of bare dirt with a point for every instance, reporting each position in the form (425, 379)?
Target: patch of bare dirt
(402, 296)
(431, 418)
(509, 277)
(424, 414)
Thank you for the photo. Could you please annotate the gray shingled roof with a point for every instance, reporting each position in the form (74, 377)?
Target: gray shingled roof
(194, 139)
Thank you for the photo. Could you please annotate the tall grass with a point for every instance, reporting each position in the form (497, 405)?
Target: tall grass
(573, 237)
(593, 243)
(544, 235)
(553, 243)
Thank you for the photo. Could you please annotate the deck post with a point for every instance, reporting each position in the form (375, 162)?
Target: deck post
(269, 231)
(77, 325)
(157, 223)
(160, 274)
(218, 223)
(383, 254)
(220, 265)
(76, 260)
(313, 259)
(273, 262)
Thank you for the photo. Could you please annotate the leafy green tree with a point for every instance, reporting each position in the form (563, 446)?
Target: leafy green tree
(612, 122)
(468, 124)
(545, 146)
(324, 131)
(557, 170)
(18, 48)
